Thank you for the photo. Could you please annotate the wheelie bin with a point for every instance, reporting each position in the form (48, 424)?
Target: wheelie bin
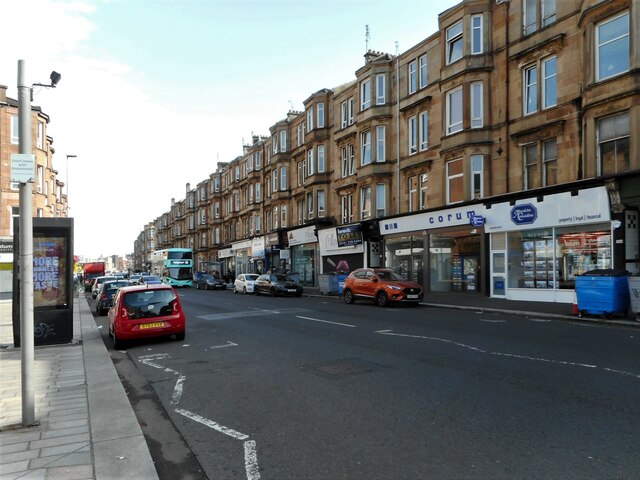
(603, 292)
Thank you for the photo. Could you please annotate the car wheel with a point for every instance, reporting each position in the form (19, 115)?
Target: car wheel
(244, 290)
(180, 336)
(381, 299)
(197, 286)
(348, 296)
(234, 290)
(272, 292)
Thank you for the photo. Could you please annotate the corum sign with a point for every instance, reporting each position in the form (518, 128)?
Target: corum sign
(524, 214)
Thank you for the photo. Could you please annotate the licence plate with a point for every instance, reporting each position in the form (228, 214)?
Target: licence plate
(411, 297)
(151, 325)
(291, 290)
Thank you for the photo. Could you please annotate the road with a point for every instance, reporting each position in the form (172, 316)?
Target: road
(311, 388)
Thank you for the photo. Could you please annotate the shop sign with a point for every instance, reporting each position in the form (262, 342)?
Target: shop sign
(6, 247)
(349, 236)
(476, 220)
(225, 253)
(439, 219)
(257, 247)
(272, 239)
(524, 214)
(302, 236)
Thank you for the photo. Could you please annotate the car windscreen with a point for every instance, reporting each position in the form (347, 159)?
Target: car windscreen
(280, 278)
(113, 286)
(389, 276)
(251, 278)
(149, 303)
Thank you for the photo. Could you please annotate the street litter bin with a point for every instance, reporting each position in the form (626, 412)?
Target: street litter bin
(341, 278)
(328, 284)
(634, 294)
(603, 292)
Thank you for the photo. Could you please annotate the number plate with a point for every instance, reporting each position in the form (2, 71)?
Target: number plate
(412, 297)
(291, 290)
(151, 325)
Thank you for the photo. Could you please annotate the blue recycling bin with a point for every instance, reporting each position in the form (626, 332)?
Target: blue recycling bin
(341, 278)
(603, 292)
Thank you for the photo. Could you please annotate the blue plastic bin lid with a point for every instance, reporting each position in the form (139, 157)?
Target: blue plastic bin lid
(606, 272)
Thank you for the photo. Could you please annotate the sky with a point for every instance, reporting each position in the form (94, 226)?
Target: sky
(155, 92)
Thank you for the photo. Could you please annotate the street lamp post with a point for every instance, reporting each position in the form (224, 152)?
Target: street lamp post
(26, 245)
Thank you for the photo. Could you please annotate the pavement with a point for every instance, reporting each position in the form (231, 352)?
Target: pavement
(86, 426)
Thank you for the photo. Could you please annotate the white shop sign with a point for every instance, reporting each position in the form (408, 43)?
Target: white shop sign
(328, 242)
(557, 210)
(302, 236)
(428, 220)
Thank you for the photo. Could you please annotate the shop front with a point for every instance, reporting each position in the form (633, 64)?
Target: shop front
(538, 245)
(303, 244)
(441, 250)
(227, 259)
(257, 260)
(341, 249)
(242, 252)
(274, 243)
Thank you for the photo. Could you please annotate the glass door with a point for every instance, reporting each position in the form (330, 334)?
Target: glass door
(498, 264)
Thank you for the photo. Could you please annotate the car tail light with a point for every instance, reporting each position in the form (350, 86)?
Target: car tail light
(175, 307)
(103, 297)
(124, 312)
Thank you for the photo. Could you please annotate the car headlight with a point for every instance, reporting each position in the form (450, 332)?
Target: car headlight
(394, 287)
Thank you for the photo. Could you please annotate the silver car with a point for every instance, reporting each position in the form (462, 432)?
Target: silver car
(244, 283)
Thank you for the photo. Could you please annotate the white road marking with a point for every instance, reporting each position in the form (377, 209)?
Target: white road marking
(512, 355)
(492, 321)
(541, 320)
(249, 313)
(326, 321)
(177, 391)
(225, 345)
(251, 460)
(211, 424)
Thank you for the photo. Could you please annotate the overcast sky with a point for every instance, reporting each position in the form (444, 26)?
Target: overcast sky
(154, 93)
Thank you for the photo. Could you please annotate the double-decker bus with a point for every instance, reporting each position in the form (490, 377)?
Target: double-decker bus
(174, 266)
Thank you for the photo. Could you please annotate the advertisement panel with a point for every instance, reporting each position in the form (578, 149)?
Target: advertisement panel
(49, 271)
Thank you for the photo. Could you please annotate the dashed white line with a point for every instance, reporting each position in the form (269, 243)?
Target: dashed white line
(177, 391)
(211, 424)
(512, 355)
(251, 460)
(225, 345)
(326, 321)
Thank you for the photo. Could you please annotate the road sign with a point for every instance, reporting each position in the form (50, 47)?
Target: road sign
(22, 167)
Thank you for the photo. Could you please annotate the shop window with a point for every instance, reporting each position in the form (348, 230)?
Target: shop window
(545, 258)
(404, 255)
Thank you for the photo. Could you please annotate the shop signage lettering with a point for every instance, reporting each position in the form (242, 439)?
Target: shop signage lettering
(349, 236)
(524, 214)
(476, 220)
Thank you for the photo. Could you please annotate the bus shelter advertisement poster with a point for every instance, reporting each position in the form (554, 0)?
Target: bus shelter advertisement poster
(49, 272)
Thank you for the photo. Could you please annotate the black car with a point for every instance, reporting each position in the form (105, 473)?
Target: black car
(104, 298)
(276, 284)
(209, 282)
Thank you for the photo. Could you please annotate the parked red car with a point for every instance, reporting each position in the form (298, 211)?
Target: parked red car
(381, 285)
(143, 311)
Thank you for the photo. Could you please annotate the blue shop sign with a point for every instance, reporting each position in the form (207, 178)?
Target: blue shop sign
(524, 214)
(476, 220)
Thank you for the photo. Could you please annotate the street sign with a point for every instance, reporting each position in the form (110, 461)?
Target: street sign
(476, 220)
(22, 167)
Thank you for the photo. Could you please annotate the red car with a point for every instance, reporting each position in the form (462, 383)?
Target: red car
(143, 311)
(381, 285)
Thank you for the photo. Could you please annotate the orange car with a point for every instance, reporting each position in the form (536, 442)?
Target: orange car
(381, 285)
